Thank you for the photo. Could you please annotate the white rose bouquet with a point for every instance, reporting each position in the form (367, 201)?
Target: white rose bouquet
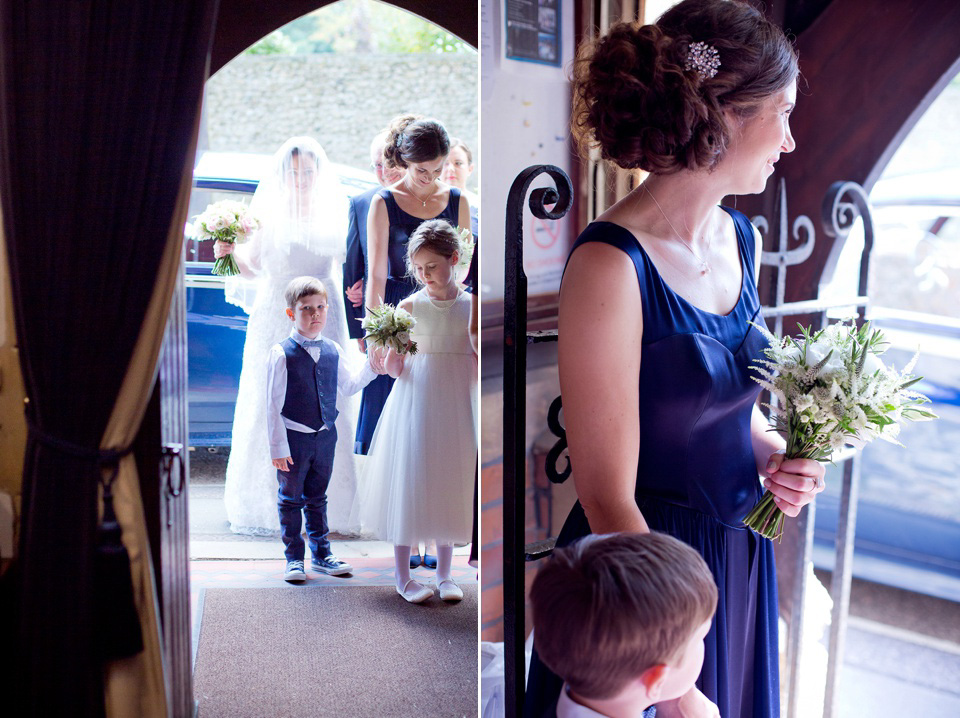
(832, 390)
(467, 247)
(228, 221)
(388, 326)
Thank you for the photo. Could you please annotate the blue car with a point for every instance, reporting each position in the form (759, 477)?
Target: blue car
(216, 329)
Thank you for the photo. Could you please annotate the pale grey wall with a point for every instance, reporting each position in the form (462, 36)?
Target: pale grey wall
(256, 102)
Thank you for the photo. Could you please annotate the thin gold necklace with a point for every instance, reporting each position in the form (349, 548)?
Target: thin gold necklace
(422, 201)
(704, 266)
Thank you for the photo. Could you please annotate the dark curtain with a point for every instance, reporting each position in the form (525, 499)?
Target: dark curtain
(98, 104)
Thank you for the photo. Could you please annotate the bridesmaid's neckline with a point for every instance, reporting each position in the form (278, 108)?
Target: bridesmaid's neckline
(743, 269)
(413, 216)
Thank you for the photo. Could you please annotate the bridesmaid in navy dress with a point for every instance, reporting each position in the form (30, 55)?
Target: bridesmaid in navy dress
(663, 428)
(420, 146)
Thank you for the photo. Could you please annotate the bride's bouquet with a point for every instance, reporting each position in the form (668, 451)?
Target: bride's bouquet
(228, 221)
(832, 390)
(388, 326)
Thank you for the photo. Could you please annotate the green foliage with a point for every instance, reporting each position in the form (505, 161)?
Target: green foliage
(359, 26)
(276, 43)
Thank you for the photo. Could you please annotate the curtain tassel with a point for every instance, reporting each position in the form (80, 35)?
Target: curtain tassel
(117, 623)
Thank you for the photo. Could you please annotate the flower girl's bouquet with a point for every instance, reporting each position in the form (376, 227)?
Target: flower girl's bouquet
(227, 221)
(832, 390)
(467, 248)
(388, 326)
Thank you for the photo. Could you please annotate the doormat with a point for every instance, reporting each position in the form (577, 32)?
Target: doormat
(335, 651)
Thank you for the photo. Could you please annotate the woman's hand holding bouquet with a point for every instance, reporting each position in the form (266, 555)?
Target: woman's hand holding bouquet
(831, 389)
(227, 222)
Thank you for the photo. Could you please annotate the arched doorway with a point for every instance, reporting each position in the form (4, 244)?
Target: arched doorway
(369, 111)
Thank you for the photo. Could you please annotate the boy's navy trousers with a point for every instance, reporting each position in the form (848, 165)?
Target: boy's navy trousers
(304, 487)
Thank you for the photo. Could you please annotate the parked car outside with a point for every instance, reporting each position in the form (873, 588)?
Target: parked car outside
(216, 329)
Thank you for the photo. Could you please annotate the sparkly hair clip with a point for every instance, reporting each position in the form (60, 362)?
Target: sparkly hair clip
(704, 59)
(399, 139)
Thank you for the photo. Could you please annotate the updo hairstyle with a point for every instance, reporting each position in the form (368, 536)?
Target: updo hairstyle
(434, 235)
(634, 99)
(413, 139)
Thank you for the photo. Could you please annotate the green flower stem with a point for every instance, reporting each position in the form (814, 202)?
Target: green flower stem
(225, 267)
(766, 518)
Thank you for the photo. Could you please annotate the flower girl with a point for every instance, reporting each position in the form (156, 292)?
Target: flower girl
(420, 471)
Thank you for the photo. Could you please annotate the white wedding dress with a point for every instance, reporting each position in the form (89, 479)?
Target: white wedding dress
(419, 475)
(251, 488)
(293, 241)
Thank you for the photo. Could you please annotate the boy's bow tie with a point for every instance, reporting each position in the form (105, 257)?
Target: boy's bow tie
(312, 343)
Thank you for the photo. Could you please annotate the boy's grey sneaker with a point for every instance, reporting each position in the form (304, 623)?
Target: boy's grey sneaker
(295, 572)
(331, 565)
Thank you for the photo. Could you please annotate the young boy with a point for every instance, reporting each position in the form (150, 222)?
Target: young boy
(304, 374)
(622, 618)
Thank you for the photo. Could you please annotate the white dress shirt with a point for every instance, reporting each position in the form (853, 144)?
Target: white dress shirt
(569, 708)
(348, 382)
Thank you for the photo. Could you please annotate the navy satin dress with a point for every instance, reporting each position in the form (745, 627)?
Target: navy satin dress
(399, 287)
(697, 475)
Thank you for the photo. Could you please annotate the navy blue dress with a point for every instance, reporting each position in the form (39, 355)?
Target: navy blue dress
(399, 287)
(697, 476)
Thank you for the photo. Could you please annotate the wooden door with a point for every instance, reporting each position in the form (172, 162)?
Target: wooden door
(163, 464)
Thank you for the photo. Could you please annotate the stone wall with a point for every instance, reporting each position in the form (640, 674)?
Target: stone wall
(256, 102)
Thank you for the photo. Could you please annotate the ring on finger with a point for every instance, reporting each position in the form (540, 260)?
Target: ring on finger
(819, 483)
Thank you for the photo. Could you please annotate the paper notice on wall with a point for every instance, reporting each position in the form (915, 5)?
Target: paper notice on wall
(544, 251)
(532, 31)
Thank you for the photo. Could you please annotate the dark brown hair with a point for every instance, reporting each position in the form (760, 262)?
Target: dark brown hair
(609, 607)
(634, 99)
(300, 287)
(415, 140)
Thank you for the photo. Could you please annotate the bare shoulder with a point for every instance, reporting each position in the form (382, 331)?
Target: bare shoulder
(407, 304)
(600, 295)
(376, 202)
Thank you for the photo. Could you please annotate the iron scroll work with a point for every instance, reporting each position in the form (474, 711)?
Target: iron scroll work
(844, 203)
(515, 339)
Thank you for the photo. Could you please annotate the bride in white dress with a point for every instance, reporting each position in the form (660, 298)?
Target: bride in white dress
(302, 208)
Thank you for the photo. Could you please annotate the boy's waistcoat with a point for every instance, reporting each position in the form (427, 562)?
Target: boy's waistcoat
(311, 397)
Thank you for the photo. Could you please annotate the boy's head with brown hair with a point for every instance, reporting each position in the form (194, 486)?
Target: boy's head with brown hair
(307, 305)
(624, 613)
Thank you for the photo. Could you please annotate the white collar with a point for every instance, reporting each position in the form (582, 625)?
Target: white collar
(569, 708)
(300, 339)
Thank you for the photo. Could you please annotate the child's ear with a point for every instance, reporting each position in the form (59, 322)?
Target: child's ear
(455, 259)
(289, 312)
(653, 679)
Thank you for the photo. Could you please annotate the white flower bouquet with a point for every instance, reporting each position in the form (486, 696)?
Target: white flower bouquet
(832, 389)
(388, 326)
(227, 221)
(467, 247)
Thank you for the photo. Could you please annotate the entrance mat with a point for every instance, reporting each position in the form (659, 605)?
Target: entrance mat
(335, 651)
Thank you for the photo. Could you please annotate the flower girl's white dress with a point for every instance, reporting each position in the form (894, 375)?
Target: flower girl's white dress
(419, 475)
